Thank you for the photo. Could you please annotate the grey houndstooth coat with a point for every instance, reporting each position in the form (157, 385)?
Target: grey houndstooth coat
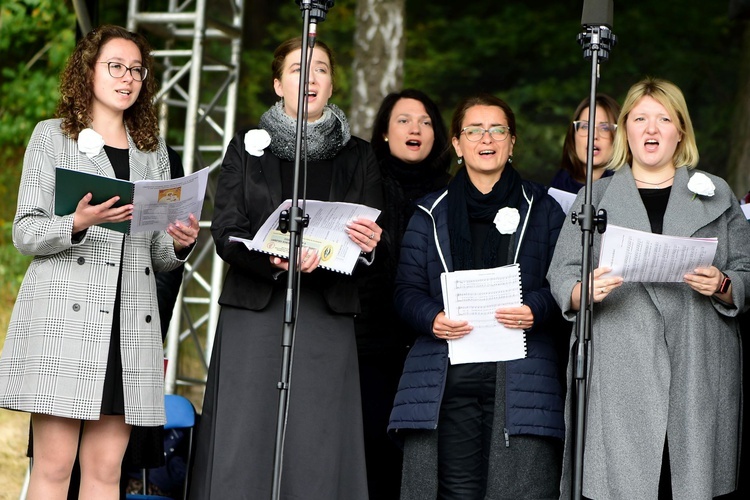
(55, 354)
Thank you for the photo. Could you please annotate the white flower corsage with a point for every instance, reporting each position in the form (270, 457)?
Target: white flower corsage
(256, 141)
(90, 142)
(506, 220)
(701, 185)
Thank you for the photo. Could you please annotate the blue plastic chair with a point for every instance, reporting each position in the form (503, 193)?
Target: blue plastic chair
(180, 415)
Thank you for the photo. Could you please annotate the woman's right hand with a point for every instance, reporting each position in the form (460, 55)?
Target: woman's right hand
(308, 261)
(600, 287)
(87, 215)
(449, 329)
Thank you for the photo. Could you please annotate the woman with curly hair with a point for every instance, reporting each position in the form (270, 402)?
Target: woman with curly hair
(83, 352)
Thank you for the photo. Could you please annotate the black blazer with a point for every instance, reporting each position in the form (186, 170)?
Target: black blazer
(249, 190)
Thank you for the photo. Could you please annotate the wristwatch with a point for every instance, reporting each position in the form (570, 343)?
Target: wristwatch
(724, 287)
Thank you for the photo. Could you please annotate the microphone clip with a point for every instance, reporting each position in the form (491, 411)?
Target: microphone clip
(598, 39)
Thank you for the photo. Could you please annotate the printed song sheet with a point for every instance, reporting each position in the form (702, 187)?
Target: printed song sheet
(646, 257)
(474, 296)
(156, 204)
(325, 233)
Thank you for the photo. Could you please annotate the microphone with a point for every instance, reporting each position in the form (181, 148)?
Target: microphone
(597, 23)
(597, 13)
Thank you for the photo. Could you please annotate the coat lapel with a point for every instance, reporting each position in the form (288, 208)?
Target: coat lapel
(344, 166)
(686, 214)
(270, 168)
(138, 162)
(623, 203)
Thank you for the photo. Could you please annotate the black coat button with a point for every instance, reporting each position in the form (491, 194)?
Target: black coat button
(148, 271)
(148, 318)
(76, 307)
(81, 261)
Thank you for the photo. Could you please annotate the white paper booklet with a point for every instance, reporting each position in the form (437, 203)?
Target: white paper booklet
(156, 204)
(650, 258)
(475, 296)
(325, 233)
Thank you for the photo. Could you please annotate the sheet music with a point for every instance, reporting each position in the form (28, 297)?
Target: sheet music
(325, 233)
(564, 198)
(639, 256)
(474, 296)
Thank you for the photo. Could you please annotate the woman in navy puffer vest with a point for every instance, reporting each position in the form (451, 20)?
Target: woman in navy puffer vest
(480, 430)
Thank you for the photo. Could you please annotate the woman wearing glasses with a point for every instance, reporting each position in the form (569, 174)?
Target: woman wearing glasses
(572, 174)
(480, 430)
(84, 353)
(664, 404)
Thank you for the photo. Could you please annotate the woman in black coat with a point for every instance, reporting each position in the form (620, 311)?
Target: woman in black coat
(323, 449)
(411, 144)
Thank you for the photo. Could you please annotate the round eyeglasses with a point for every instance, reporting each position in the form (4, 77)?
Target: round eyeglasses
(475, 134)
(582, 127)
(118, 70)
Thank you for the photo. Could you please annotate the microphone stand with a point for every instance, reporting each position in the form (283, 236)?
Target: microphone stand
(596, 41)
(294, 220)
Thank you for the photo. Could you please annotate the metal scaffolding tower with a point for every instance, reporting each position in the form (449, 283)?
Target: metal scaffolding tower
(197, 61)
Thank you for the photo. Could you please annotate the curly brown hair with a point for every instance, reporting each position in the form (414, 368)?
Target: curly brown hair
(76, 88)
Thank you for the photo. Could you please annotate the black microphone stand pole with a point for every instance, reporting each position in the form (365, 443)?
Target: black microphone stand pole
(596, 42)
(294, 220)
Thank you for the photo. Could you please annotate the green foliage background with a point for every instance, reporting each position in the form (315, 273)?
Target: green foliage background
(524, 52)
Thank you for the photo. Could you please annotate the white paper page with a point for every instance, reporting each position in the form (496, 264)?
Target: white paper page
(157, 204)
(474, 296)
(325, 233)
(564, 198)
(644, 257)
(746, 210)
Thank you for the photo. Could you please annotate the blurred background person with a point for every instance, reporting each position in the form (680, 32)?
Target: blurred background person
(323, 450)
(572, 174)
(664, 401)
(480, 430)
(410, 141)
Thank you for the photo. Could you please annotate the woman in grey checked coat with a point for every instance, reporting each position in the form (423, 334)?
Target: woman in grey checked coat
(84, 343)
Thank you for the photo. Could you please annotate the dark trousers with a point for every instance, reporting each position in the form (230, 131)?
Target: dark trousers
(465, 431)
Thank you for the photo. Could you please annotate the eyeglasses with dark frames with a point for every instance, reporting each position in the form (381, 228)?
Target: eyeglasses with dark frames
(118, 70)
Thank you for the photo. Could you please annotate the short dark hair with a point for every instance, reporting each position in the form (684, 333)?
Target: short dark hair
(439, 157)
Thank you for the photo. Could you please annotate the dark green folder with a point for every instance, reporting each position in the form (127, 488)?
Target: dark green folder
(72, 185)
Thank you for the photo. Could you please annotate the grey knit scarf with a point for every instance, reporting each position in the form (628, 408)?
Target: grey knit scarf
(325, 136)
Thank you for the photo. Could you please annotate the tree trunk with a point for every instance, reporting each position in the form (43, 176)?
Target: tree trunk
(738, 172)
(378, 65)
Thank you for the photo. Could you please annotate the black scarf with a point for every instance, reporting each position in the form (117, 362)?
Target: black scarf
(466, 204)
(403, 184)
(325, 136)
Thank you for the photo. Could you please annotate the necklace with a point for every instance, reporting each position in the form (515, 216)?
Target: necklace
(654, 183)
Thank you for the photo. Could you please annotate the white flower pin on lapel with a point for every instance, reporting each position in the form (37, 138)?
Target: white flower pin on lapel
(506, 220)
(256, 141)
(701, 185)
(90, 142)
